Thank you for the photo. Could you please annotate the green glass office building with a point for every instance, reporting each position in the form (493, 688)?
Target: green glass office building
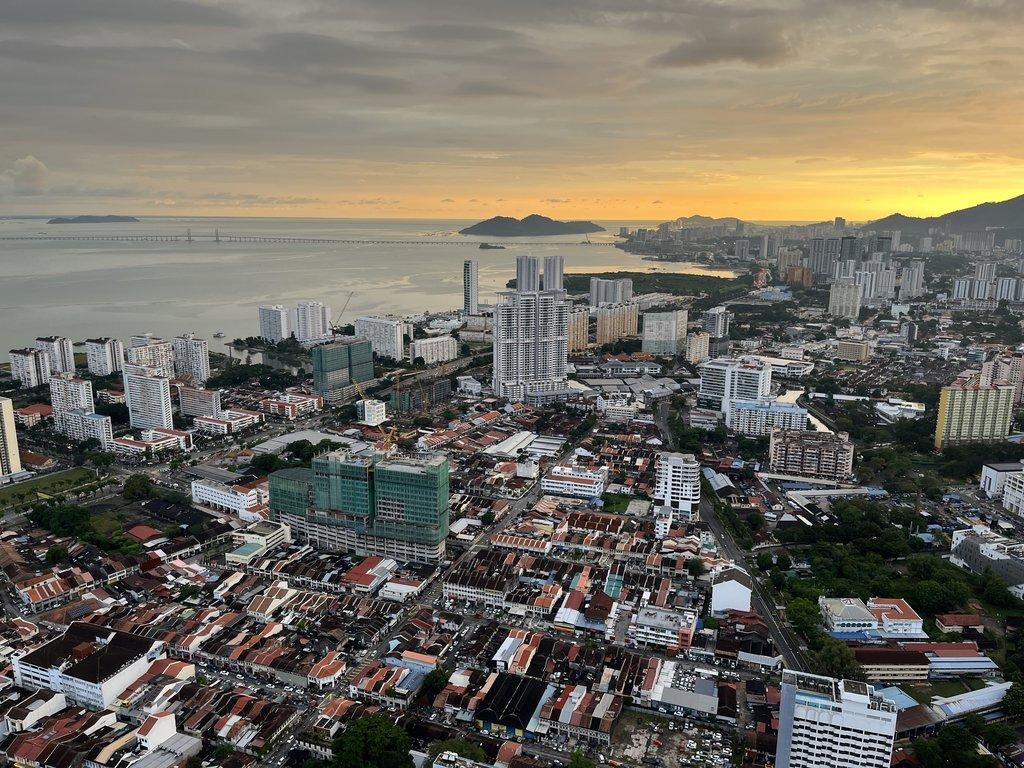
(339, 365)
(367, 503)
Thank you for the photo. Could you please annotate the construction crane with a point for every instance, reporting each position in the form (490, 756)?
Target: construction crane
(335, 326)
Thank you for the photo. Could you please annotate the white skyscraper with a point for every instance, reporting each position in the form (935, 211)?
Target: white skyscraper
(191, 358)
(10, 460)
(531, 330)
(74, 415)
(386, 335)
(835, 723)
(716, 322)
(912, 280)
(554, 270)
(844, 298)
(603, 292)
(677, 485)
(153, 352)
(104, 356)
(312, 321)
(724, 379)
(148, 396)
(60, 352)
(665, 332)
(30, 366)
(471, 287)
(275, 323)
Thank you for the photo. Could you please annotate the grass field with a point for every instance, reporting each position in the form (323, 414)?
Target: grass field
(58, 482)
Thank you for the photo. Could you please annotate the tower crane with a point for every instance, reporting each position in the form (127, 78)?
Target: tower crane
(335, 325)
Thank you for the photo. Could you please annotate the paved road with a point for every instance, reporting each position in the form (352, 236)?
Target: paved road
(785, 639)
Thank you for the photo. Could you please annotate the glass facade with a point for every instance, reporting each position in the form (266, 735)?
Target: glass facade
(340, 364)
(398, 499)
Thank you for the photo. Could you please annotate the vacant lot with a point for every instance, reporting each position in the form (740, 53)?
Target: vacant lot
(47, 485)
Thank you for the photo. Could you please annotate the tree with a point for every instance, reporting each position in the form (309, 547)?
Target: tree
(804, 616)
(578, 760)
(372, 742)
(435, 681)
(56, 554)
(461, 747)
(764, 561)
(836, 659)
(1013, 701)
(695, 567)
(138, 487)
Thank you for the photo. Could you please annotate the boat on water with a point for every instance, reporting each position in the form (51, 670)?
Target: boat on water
(219, 335)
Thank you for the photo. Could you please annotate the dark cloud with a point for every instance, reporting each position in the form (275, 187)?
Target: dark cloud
(57, 12)
(484, 88)
(748, 43)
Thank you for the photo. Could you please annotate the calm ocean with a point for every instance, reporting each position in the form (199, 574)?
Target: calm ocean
(84, 289)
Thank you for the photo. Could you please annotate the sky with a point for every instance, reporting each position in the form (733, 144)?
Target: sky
(793, 110)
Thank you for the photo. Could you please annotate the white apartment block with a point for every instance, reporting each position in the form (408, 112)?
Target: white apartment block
(68, 392)
(31, 367)
(191, 358)
(385, 334)
(79, 425)
(759, 417)
(104, 356)
(725, 379)
(148, 396)
(152, 352)
(835, 723)
(616, 321)
(677, 486)
(196, 401)
(716, 322)
(275, 323)
(434, 350)
(10, 459)
(60, 351)
(470, 287)
(312, 321)
(575, 481)
(844, 298)
(531, 335)
(665, 332)
(603, 292)
(74, 414)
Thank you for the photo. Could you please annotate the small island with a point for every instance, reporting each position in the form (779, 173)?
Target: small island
(91, 220)
(533, 225)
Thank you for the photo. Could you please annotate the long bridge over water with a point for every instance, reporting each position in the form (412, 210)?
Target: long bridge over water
(218, 237)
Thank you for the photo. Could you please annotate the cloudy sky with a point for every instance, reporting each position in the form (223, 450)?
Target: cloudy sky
(612, 109)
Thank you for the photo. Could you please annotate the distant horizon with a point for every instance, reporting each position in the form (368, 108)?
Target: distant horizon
(35, 216)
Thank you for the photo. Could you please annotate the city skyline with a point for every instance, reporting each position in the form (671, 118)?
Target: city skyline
(767, 110)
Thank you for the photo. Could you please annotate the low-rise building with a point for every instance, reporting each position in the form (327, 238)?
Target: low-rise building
(575, 481)
(228, 422)
(291, 406)
(90, 664)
